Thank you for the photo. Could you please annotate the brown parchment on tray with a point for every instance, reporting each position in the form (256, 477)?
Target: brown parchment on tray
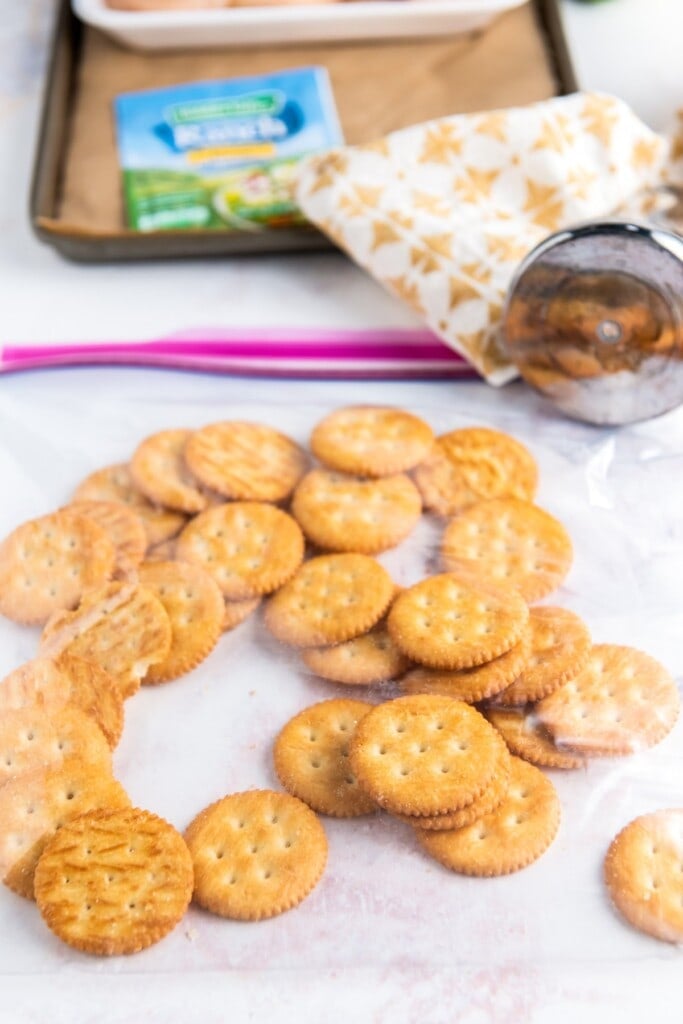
(378, 87)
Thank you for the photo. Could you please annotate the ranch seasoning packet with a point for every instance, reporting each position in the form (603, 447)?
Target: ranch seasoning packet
(222, 154)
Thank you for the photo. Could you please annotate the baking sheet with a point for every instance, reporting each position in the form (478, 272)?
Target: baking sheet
(76, 197)
(388, 934)
(420, 80)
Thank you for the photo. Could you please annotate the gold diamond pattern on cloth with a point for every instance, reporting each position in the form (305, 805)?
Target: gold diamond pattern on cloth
(442, 213)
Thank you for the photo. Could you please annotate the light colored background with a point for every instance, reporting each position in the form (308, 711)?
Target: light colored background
(371, 953)
(630, 47)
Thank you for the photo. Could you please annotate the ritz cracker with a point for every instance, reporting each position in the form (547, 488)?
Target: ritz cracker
(134, 583)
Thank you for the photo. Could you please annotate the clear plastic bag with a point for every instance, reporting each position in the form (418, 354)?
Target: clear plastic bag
(388, 934)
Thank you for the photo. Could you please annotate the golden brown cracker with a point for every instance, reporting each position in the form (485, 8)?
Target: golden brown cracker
(475, 464)
(559, 647)
(48, 684)
(246, 461)
(237, 612)
(160, 473)
(367, 659)
(114, 881)
(311, 755)
(622, 701)
(34, 806)
(114, 483)
(512, 542)
(491, 797)
(644, 874)
(94, 691)
(369, 440)
(124, 528)
(341, 513)
(516, 833)
(35, 736)
(470, 684)
(122, 627)
(164, 552)
(527, 738)
(195, 608)
(256, 854)
(424, 755)
(455, 621)
(331, 599)
(48, 563)
(249, 548)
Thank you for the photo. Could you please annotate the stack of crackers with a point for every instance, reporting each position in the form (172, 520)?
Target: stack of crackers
(135, 581)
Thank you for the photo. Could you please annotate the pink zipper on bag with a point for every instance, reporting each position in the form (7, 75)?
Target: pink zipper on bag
(291, 352)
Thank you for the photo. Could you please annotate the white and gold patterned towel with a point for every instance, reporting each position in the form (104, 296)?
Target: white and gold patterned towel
(442, 213)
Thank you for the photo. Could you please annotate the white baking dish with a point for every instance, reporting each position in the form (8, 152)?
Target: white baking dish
(249, 26)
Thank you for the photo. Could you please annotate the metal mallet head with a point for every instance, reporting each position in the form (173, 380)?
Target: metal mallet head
(594, 321)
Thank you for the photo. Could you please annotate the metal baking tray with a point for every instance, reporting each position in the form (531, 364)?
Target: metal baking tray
(84, 243)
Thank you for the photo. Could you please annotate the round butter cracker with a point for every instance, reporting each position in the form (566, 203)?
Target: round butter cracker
(311, 755)
(489, 799)
(246, 461)
(34, 737)
(367, 659)
(526, 738)
(424, 755)
(195, 608)
(369, 440)
(255, 854)
(475, 464)
(453, 621)
(159, 471)
(331, 599)
(510, 542)
(559, 647)
(643, 873)
(35, 806)
(114, 881)
(115, 483)
(122, 627)
(48, 563)
(470, 684)
(123, 527)
(51, 683)
(622, 701)
(249, 548)
(342, 513)
(516, 833)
